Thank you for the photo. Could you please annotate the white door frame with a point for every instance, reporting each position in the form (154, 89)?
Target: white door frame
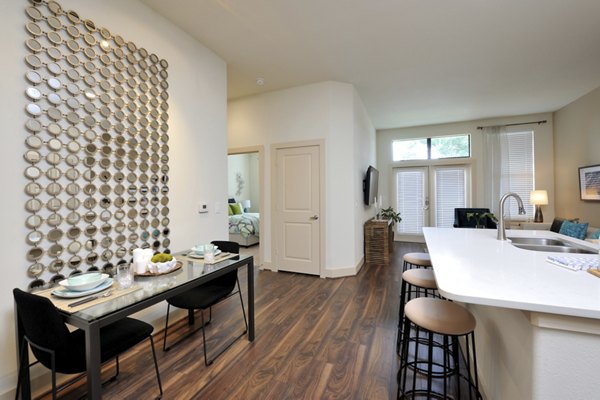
(322, 211)
(261, 190)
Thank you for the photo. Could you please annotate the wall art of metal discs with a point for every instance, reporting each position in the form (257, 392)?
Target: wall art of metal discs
(96, 145)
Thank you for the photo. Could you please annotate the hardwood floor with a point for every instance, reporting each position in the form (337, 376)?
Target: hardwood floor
(315, 339)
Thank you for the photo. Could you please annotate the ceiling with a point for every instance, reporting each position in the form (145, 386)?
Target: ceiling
(413, 62)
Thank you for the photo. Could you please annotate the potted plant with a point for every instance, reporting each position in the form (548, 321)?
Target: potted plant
(480, 218)
(390, 214)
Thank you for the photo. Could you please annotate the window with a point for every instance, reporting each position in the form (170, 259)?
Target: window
(450, 189)
(518, 171)
(431, 148)
(508, 167)
(450, 193)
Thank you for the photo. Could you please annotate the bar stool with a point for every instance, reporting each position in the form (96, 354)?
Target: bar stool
(418, 282)
(451, 321)
(416, 260)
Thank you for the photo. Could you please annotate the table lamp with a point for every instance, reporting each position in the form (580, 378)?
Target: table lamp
(538, 198)
(246, 204)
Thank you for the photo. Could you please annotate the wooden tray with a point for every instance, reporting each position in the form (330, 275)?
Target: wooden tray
(178, 266)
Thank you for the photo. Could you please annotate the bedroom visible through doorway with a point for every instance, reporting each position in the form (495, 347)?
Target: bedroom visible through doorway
(244, 193)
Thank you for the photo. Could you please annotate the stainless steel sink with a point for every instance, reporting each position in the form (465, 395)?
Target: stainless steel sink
(554, 249)
(546, 244)
(538, 241)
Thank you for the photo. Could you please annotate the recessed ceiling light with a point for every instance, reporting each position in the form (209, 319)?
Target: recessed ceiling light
(260, 81)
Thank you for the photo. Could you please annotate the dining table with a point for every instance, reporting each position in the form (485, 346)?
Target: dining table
(150, 290)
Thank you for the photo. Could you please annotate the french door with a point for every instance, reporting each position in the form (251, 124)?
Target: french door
(428, 195)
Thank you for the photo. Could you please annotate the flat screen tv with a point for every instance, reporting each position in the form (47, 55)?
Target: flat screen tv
(370, 185)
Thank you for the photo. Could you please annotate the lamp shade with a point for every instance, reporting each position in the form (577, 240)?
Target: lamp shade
(246, 204)
(538, 197)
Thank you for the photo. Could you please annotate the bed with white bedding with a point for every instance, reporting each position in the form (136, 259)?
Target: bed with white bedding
(244, 228)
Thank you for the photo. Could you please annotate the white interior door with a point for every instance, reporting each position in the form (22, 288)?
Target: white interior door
(297, 224)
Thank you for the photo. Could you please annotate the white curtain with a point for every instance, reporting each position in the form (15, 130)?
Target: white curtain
(496, 181)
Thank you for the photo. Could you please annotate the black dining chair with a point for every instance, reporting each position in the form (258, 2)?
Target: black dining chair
(64, 352)
(204, 297)
(462, 221)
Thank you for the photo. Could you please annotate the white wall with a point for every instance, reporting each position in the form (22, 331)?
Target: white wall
(544, 154)
(198, 141)
(318, 111)
(577, 142)
(364, 155)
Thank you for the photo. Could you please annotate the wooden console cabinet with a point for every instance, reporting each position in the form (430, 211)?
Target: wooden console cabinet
(379, 241)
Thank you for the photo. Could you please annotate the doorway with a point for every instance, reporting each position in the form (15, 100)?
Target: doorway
(245, 189)
(428, 195)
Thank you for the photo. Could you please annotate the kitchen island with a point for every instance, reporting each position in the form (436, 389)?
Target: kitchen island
(538, 325)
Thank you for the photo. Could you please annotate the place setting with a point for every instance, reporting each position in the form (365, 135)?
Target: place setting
(88, 289)
(208, 253)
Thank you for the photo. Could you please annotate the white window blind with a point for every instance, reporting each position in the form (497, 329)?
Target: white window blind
(450, 193)
(518, 172)
(410, 191)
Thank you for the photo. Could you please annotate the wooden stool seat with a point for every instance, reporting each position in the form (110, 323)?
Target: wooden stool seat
(418, 259)
(440, 316)
(423, 278)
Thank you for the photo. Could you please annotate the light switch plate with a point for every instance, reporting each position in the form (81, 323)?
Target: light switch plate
(202, 208)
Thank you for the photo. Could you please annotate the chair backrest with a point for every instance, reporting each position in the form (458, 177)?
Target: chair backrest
(229, 279)
(462, 221)
(556, 224)
(227, 246)
(41, 322)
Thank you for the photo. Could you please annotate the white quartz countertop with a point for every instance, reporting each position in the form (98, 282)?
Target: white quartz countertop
(472, 266)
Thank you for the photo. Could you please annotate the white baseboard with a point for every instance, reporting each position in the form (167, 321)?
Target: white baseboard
(344, 271)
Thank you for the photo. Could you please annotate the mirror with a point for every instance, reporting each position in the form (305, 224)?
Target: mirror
(90, 244)
(56, 265)
(54, 204)
(73, 218)
(73, 232)
(74, 262)
(54, 219)
(34, 221)
(74, 247)
(53, 173)
(35, 253)
(55, 250)
(34, 142)
(34, 237)
(33, 205)
(90, 217)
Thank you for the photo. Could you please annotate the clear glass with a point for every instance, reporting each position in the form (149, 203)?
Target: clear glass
(209, 253)
(414, 149)
(450, 147)
(124, 275)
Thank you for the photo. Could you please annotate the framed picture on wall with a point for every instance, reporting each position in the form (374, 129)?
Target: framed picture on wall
(589, 182)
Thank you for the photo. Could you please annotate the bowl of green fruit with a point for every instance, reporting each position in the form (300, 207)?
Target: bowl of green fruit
(162, 263)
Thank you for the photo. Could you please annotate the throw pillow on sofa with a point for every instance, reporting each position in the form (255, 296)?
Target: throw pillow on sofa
(574, 230)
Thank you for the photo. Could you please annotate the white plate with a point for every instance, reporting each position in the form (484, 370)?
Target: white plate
(199, 250)
(85, 285)
(200, 256)
(71, 294)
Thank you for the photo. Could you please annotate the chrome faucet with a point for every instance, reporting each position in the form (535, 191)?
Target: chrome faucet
(501, 229)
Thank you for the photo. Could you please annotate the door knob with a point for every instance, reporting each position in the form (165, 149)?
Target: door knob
(314, 217)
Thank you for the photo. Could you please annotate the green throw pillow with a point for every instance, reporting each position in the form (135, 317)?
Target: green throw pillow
(229, 210)
(236, 208)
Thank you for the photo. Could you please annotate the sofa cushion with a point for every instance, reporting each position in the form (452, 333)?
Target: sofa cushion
(574, 229)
